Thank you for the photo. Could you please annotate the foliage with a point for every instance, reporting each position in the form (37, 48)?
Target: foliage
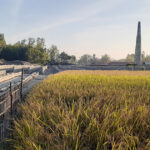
(130, 58)
(26, 50)
(147, 58)
(72, 59)
(54, 55)
(85, 59)
(88, 59)
(37, 53)
(67, 59)
(86, 110)
(14, 52)
(62, 58)
(2, 42)
(34, 51)
(105, 59)
(37, 56)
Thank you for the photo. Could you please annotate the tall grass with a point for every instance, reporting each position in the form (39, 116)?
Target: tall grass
(86, 110)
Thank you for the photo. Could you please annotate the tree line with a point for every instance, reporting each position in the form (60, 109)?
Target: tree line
(35, 51)
(144, 58)
(106, 59)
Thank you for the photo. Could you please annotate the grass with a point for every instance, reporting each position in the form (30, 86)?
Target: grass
(86, 110)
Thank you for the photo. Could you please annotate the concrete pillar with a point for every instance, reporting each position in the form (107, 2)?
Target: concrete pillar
(137, 58)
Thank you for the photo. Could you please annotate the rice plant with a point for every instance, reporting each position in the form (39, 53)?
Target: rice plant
(86, 110)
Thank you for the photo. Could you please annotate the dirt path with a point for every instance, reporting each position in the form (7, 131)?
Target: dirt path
(32, 83)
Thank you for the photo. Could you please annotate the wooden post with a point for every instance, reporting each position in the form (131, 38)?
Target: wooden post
(21, 88)
(11, 100)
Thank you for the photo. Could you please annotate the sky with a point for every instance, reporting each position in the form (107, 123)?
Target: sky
(78, 26)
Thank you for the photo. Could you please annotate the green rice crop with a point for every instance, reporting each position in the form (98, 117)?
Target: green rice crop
(86, 110)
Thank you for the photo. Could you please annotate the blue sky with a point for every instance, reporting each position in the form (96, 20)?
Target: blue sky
(79, 26)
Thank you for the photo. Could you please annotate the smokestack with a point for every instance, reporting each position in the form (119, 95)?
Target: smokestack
(137, 58)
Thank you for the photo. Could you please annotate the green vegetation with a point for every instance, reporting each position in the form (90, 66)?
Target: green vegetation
(144, 58)
(34, 51)
(62, 58)
(86, 110)
(88, 59)
(2, 42)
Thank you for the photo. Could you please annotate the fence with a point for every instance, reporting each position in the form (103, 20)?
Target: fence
(2, 73)
(8, 100)
(17, 68)
(9, 76)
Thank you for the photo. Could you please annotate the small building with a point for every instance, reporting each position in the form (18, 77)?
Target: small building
(146, 63)
(98, 63)
(117, 63)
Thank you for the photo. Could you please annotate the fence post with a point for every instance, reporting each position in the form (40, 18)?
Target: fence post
(21, 88)
(11, 100)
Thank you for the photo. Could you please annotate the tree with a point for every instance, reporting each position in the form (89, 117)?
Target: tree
(23, 42)
(95, 60)
(53, 54)
(130, 58)
(147, 58)
(26, 51)
(94, 57)
(143, 56)
(37, 53)
(37, 56)
(72, 59)
(105, 59)
(64, 58)
(31, 42)
(2, 42)
(14, 52)
(34, 51)
(67, 59)
(40, 43)
(85, 60)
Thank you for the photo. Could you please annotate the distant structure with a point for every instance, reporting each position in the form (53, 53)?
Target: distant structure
(137, 57)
